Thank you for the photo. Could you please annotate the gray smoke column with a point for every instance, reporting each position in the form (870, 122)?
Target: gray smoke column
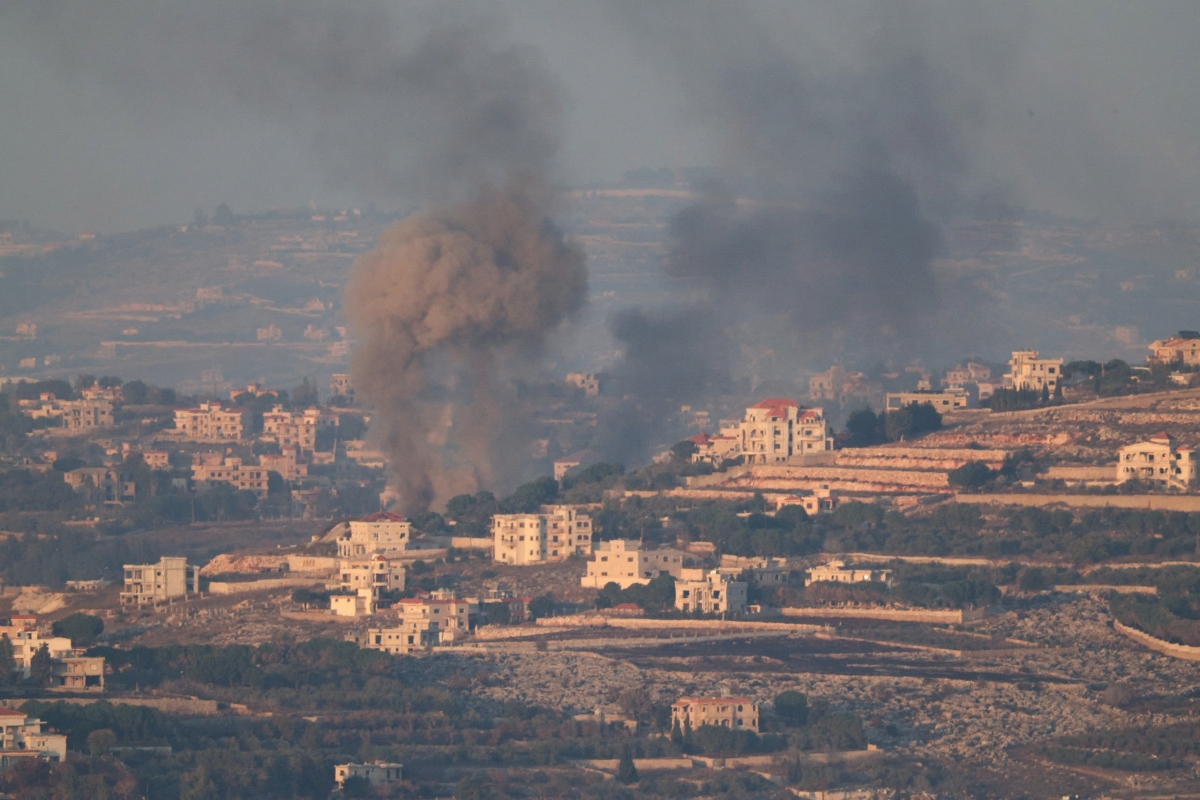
(435, 105)
(438, 307)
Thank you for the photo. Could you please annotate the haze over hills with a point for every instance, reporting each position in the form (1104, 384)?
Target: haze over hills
(172, 302)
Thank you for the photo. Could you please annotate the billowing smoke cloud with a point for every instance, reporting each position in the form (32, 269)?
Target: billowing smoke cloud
(825, 249)
(453, 301)
(438, 306)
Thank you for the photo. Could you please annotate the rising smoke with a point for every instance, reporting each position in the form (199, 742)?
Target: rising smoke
(845, 179)
(440, 110)
(439, 307)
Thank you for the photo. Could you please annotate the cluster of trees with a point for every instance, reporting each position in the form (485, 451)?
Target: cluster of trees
(1174, 619)
(788, 532)
(658, 595)
(866, 428)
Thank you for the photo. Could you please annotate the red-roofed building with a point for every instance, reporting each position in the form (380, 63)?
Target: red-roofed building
(714, 449)
(778, 429)
(735, 713)
(1184, 348)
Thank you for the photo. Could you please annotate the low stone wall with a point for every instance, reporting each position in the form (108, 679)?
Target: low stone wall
(637, 623)
(641, 764)
(187, 706)
(1078, 473)
(894, 614)
(1096, 588)
(931, 458)
(239, 587)
(1156, 502)
(470, 543)
(1186, 652)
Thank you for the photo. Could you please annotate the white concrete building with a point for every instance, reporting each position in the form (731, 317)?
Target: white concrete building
(1027, 371)
(735, 713)
(837, 572)
(381, 532)
(172, 578)
(422, 623)
(21, 736)
(380, 773)
(624, 562)
(211, 422)
(778, 429)
(709, 592)
(1181, 349)
(341, 385)
(86, 415)
(296, 428)
(942, 402)
(1160, 461)
(553, 534)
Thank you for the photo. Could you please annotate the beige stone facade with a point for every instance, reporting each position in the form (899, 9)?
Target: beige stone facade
(379, 773)
(1181, 349)
(709, 592)
(1159, 461)
(296, 428)
(422, 623)
(838, 572)
(735, 713)
(382, 532)
(553, 534)
(1026, 371)
(211, 468)
(172, 578)
(86, 415)
(624, 562)
(211, 422)
(778, 429)
(942, 402)
(21, 736)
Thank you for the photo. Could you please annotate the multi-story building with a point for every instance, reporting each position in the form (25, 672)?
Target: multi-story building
(21, 736)
(381, 532)
(942, 402)
(296, 428)
(960, 377)
(1181, 349)
(570, 463)
(211, 468)
(422, 623)
(624, 562)
(735, 713)
(778, 429)
(714, 449)
(1159, 461)
(1029, 373)
(837, 572)
(376, 572)
(769, 572)
(85, 415)
(211, 422)
(287, 463)
(341, 385)
(553, 534)
(100, 485)
(70, 669)
(589, 382)
(379, 773)
(172, 578)
(709, 592)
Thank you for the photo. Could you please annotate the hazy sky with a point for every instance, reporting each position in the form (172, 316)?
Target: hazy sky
(131, 113)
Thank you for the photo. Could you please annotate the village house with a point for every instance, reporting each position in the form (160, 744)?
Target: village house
(624, 562)
(172, 578)
(379, 773)
(363, 581)
(714, 449)
(838, 385)
(381, 532)
(438, 619)
(210, 422)
(768, 572)
(97, 485)
(838, 572)
(287, 463)
(70, 668)
(210, 468)
(778, 429)
(21, 737)
(589, 382)
(1181, 349)
(735, 713)
(1029, 373)
(85, 415)
(341, 385)
(553, 534)
(709, 592)
(942, 402)
(296, 428)
(1159, 461)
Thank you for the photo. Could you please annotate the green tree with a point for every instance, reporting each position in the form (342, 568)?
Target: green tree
(864, 428)
(8, 663)
(682, 452)
(356, 786)
(99, 742)
(792, 707)
(542, 606)
(972, 475)
(134, 393)
(626, 770)
(306, 394)
(41, 667)
(82, 629)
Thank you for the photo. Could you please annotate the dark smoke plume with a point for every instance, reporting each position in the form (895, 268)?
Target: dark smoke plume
(827, 251)
(437, 307)
(437, 109)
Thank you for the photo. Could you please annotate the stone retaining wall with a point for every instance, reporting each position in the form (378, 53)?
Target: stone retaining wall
(1157, 502)
(895, 614)
(1183, 651)
(238, 587)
